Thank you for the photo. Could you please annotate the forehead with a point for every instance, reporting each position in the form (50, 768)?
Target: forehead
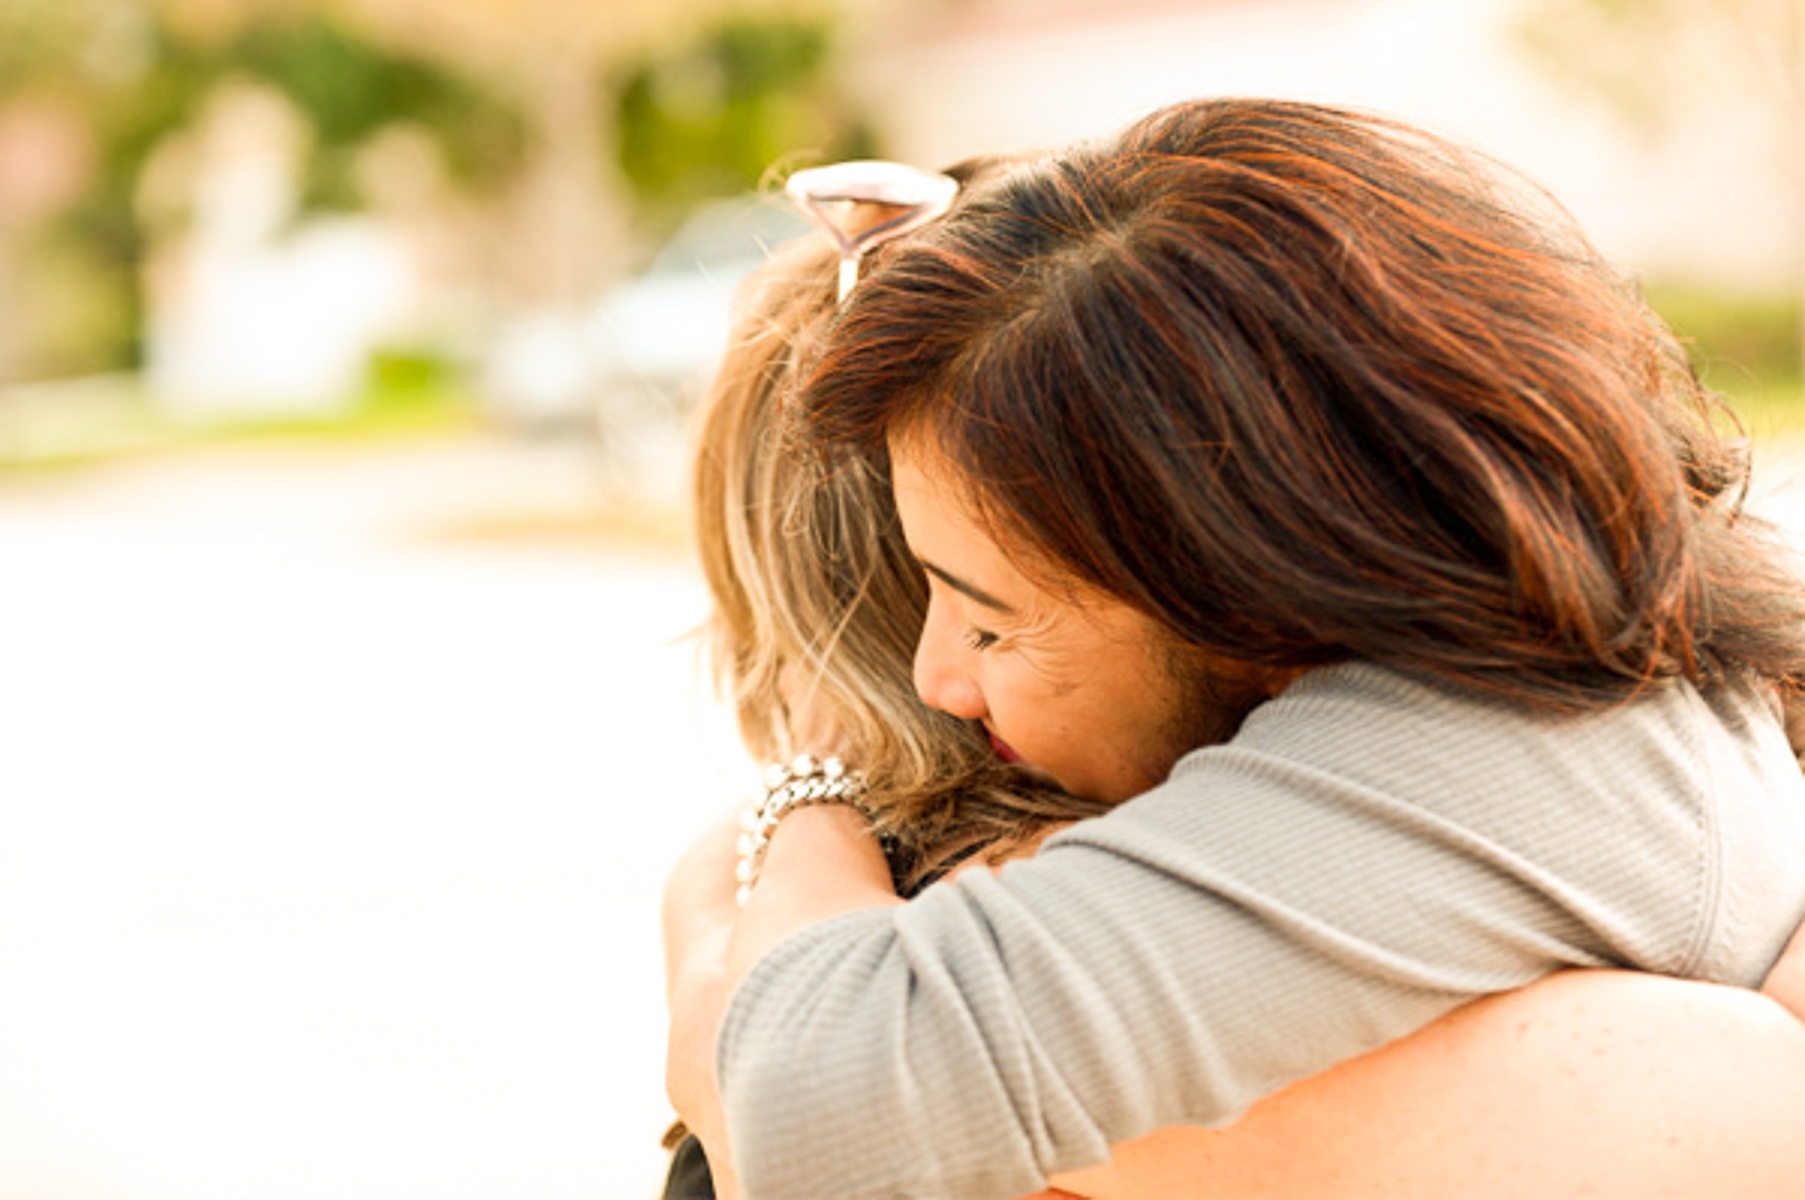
(933, 499)
(951, 535)
(1066, 624)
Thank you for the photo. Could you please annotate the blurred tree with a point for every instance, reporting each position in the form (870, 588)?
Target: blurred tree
(350, 88)
(569, 66)
(137, 73)
(712, 118)
(570, 124)
(92, 62)
(1649, 60)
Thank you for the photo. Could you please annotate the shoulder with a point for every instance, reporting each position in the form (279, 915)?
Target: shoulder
(1672, 824)
(1432, 738)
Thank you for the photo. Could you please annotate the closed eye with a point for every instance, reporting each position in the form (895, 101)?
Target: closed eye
(980, 639)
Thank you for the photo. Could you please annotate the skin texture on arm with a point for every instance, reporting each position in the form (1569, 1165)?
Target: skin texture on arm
(1589, 1083)
(698, 918)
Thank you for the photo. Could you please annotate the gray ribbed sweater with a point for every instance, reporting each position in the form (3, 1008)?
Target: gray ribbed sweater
(1369, 852)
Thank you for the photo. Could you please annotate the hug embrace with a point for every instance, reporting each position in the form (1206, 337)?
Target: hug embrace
(1318, 710)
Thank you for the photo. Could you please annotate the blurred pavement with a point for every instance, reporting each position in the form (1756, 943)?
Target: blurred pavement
(331, 834)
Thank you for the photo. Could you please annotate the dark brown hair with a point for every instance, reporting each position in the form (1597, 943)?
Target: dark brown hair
(1308, 385)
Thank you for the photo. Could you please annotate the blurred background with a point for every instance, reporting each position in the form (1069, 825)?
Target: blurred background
(346, 351)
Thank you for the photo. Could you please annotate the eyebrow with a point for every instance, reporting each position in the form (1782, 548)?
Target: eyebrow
(965, 589)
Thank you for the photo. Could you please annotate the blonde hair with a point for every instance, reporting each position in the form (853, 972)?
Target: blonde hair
(816, 595)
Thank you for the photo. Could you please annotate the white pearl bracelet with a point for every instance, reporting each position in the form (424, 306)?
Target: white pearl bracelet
(800, 784)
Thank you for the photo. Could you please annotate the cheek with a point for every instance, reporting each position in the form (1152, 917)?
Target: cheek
(1131, 704)
(1053, 724)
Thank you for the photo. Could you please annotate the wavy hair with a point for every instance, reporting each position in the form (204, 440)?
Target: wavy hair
(815, 595)
(1308, 385)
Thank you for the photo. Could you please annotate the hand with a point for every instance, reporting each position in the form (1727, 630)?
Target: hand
(1786, 982)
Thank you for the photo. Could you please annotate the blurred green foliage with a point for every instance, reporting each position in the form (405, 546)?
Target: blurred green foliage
(711, 118)
(408, 371)
(1648, 62)
(704, 120)
(1745, 346)
(109, 418)
(1730, 334)
(349, 88)
(134, 80)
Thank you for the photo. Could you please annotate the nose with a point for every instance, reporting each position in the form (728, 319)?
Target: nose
(943, 678)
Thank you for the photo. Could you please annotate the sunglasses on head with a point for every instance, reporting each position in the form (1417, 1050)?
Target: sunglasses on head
(865, 203)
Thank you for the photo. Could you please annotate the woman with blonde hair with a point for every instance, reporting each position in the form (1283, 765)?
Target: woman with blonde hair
(998, 1032)
(817, 602)
(816, 605)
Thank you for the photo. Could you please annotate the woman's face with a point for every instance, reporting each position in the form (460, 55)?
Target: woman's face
(1072, 683)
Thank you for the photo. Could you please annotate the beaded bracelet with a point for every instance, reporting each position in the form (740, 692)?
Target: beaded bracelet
(802, 783)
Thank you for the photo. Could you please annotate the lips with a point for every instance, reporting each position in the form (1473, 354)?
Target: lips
(1003, 749)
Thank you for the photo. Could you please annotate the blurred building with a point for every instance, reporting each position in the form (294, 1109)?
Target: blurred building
(1711, 190)
(257, 306)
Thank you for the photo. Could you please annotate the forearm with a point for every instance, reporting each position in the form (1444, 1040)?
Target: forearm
(821, 862)
(1606, 1084)
(698, 997)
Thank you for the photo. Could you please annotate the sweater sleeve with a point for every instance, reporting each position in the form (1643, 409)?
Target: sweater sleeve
(1367, 854)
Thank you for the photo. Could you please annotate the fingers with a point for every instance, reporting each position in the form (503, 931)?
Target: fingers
(1786, 982)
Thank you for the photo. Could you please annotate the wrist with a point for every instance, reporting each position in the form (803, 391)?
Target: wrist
(825, 843)
(801, 784)
(821, 863)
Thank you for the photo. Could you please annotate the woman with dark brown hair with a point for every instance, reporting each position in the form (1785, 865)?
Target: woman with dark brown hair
(1281, 425)
(816, 600)
(817, 605)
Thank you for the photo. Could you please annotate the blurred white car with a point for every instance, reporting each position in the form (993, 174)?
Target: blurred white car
(647, 344)
(668, 325)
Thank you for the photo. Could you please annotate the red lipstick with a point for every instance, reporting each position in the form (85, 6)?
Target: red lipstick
(1003, 749)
